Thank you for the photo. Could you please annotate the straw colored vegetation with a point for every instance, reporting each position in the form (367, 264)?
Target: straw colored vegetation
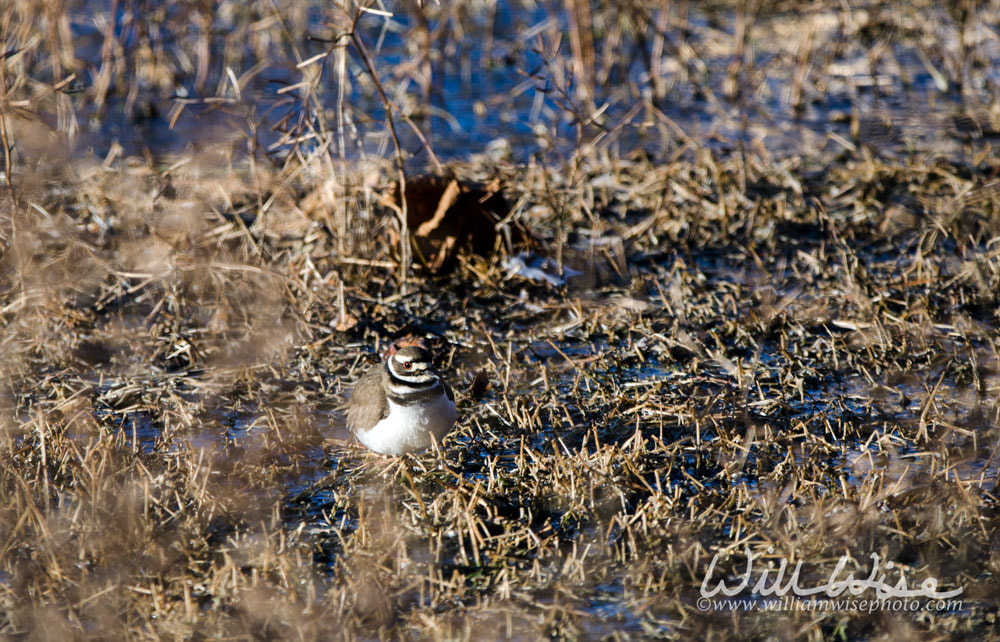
(795, 354)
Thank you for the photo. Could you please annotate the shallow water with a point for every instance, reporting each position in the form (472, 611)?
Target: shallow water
(506, 102)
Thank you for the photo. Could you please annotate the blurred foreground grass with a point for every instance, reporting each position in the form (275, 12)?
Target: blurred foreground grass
(793, 353)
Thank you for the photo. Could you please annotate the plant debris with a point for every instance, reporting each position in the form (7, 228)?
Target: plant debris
(782, 342)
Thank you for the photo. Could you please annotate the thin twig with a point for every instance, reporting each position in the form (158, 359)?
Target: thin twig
(404, 242)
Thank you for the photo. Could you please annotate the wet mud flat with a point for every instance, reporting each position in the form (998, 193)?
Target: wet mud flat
(737, 319)
(775, 359)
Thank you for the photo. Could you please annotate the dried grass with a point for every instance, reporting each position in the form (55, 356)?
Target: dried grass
(785, 352)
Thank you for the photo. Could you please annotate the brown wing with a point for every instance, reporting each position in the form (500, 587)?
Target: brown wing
(447, 390)
(368, 404)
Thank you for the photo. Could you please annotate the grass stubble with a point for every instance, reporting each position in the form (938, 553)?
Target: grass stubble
(793, 354)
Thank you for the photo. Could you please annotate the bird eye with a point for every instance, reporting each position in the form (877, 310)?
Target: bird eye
(407, 365)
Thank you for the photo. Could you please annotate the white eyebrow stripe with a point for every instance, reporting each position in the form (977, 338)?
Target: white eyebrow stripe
(420, 366)
(419, 376)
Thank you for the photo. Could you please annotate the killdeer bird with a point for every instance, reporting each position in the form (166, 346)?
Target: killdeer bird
(398, 405)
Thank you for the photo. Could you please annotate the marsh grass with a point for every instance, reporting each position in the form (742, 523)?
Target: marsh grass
(792, 353)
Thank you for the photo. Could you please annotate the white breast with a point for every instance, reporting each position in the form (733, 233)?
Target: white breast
(409, 428)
